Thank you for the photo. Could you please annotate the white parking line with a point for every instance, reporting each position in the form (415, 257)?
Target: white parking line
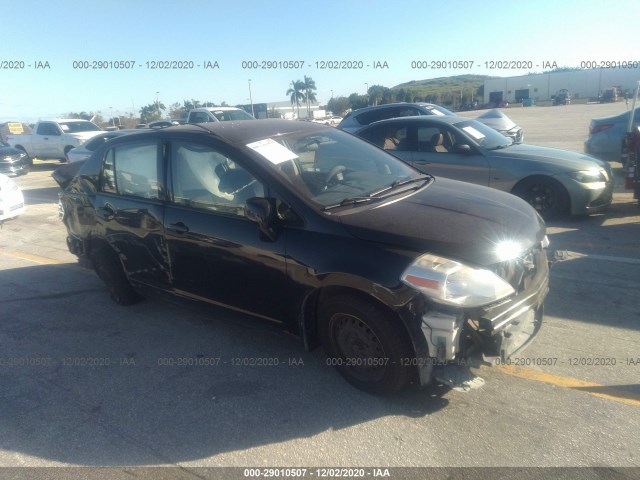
(566, 255)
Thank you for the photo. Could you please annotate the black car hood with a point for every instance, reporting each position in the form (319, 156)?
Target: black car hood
(452, 219)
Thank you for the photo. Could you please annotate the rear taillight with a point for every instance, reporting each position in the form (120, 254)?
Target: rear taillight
(593, 129)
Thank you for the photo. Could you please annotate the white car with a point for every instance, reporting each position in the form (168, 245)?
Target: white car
(11, 199)
(333, 120)
(217, 114)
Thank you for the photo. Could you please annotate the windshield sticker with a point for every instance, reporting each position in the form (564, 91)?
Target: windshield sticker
(473, 132)
(272, 151)
(436, 112)
(64, 127)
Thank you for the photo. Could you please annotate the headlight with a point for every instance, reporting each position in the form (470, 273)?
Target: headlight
(452, 283)
(508, 249)
(589, 176)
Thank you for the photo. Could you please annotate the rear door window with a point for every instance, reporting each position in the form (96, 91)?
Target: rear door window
(133, 170)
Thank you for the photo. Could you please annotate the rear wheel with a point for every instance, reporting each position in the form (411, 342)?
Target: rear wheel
(366, 344)
(546, 195)
(66, 151)
(108, 267)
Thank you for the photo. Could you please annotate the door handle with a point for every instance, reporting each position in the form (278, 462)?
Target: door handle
(422, 162)
(178, 227)
(107, 212)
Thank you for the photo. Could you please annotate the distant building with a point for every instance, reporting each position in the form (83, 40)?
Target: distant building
(582, 84)
(285, 107)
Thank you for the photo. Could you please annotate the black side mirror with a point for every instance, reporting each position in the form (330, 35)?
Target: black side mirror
(263, 212)
(463, 148)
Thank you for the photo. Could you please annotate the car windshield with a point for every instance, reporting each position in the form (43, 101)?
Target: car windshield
(229, 115)
(79, 126)
(438, 110)
(332, 168)
(483, 135)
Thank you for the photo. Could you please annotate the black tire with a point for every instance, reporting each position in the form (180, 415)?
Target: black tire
(546, 195)
(108, 267)
(66, 151)
(366, 344)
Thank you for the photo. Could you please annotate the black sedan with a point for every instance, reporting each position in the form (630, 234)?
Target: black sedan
(393, 271)
(14, 161)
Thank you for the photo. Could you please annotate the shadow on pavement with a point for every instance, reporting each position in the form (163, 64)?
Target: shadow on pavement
(88, 382)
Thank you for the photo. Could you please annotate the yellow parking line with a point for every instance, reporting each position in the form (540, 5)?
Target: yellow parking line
(30, 257)
(595, 389)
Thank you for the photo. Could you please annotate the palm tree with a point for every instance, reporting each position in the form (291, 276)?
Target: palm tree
(309, 87)
(295, 91)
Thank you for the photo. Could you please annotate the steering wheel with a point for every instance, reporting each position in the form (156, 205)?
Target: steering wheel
(335, 171)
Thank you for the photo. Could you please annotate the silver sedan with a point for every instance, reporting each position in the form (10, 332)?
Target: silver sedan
(555, 182)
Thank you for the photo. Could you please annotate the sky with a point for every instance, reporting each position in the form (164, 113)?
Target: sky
(449, 37)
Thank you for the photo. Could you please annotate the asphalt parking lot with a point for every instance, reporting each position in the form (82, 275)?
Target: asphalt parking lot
(87, 382)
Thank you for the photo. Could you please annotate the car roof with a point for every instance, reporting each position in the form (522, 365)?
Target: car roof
(397, 104)
(65, 120)
(446, 119)
(238, 132)
(214, 109)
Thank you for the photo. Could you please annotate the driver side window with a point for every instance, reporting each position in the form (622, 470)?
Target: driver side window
(203, 177)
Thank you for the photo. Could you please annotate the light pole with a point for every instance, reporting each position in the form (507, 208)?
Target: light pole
(157, 104)
(367, 92)
(251, 99)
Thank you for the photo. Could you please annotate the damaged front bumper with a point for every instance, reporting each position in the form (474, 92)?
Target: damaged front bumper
(492, 333)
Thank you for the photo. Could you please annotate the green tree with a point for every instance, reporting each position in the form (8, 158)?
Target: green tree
(309, 93)
(338, 105)
(376, 93)
(152, 112)
(358, 101)
(83, 115)
(296, 94)
(176, 110)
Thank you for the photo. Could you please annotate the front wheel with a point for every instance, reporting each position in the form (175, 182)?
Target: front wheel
(366, 344)
(546, 195)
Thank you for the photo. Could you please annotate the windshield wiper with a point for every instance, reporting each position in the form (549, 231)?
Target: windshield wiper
(404, 181)
(500, 147)
(349, 201)
(366, 198)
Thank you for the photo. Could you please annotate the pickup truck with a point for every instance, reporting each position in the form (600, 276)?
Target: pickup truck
(54, 138)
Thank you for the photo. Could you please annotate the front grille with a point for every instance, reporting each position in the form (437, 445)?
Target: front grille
(16, 206)
(519, 272)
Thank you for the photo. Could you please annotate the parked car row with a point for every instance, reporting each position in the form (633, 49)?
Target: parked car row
(365, 116)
